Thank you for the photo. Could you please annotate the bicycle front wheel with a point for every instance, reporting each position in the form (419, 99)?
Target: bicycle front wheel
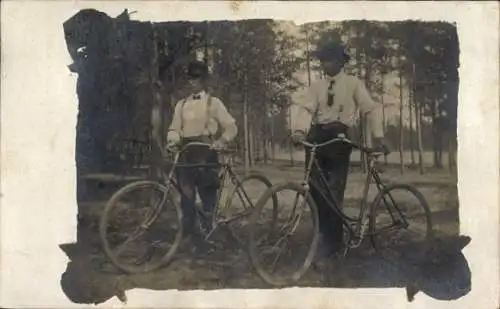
(282, 253)
(400, 223)
(141, 227)
(240, 204)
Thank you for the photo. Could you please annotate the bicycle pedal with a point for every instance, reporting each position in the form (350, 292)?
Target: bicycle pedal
(156, 243)
(210, 242)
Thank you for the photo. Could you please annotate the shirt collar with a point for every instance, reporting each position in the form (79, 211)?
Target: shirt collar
(200, 94)
(336, 77)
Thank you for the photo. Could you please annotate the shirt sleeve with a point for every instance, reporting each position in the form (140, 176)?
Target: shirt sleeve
(225, 120)
(174, 131)
(371, 109)
(302, 108)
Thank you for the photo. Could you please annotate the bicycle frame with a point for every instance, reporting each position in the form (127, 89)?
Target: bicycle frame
(227, 175)
(321, 185)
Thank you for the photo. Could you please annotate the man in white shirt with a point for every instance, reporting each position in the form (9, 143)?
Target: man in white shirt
(197, 117)
(325, 110)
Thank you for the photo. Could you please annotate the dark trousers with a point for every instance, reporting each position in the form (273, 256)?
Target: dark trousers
(333, 161)
(203, 179)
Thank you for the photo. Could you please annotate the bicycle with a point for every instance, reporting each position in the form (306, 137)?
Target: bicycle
(356, 228)
(155, 212)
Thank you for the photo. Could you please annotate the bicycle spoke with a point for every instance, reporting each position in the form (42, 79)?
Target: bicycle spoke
(282, 241)
(295, 203)
(285, 240)
(156, 209)
(283, 228)
(388, 207)
(404, 226)
(244, 197)
(134, 236)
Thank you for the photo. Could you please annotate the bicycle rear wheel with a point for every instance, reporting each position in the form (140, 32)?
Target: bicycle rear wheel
(400, 224)
(145, 216)
(295, 203)
(240, 204)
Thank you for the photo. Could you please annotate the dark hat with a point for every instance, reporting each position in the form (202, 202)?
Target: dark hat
(197, 69)
(332, 51)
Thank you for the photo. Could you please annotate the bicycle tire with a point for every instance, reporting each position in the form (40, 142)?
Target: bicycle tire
(104, 220)
(254, 258)
(235, 190)
(429, 235)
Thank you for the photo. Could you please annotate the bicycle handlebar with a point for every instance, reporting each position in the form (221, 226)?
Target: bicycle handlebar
(368, 150)
(177, 149)
(197, 144)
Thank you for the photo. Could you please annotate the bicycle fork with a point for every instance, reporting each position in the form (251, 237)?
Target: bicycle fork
(157, 208)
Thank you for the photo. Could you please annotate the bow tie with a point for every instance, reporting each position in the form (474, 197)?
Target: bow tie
(196, 96)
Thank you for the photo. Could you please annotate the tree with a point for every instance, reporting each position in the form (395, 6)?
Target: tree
(437, 83)
(255, 60)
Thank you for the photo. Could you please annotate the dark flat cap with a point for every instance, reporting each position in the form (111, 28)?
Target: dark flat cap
(332, 51)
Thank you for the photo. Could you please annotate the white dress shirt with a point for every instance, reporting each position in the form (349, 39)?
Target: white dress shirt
(350, 96)
(192, 118)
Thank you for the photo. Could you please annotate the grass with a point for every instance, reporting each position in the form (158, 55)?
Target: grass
(392, 158)
(437, 185)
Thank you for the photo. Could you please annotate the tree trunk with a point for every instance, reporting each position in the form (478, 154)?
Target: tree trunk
(418, 114)
(440, 132)
(401, 127)
(437, 136)
(254, 146)
(308, 58)
(251, 146)
(245, 127)
(367, 133)
(411, 107)
(451, 152)
(365, 129)
(256, 138)
(440, 147)
(290, 146)
(362, 141)
(361, 116)
(273, 145)
(157, 119)
(265, 137)
(384, 127)
(205, 45)
(434, 139)
(265, 147)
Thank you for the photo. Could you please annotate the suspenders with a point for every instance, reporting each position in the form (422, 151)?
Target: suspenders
(338, 107)
(207, 115)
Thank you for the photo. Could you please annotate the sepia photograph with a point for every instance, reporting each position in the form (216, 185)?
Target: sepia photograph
(264, 154)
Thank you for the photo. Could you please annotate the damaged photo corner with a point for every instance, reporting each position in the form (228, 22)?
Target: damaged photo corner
(251, 157)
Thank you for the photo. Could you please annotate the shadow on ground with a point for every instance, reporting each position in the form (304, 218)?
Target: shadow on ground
(89, 278)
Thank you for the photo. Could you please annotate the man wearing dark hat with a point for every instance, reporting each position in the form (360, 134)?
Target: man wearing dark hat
(325, 110)
(197, 117)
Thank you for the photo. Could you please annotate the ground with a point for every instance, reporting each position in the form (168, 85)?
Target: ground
(229, 267)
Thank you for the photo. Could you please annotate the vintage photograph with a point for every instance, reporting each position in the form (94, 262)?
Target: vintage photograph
(263, 154)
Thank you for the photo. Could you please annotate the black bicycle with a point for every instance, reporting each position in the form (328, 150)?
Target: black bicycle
(382, 217)
(141, 226)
